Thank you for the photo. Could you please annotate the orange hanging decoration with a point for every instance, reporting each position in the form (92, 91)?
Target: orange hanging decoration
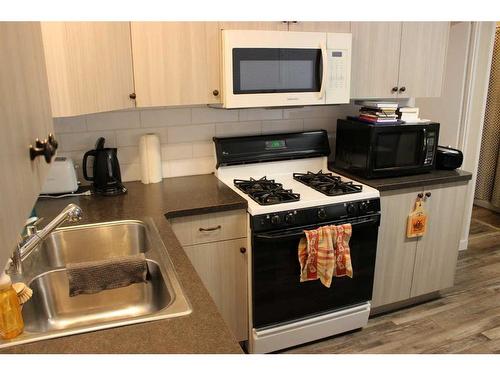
(417, 221)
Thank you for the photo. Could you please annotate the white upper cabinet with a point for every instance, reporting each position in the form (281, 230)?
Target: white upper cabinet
(328, 27)
(375, 59)
(423, 56)
(89, 66)
(250, 25)
(398, 59)
(176, 63)
(24, 116)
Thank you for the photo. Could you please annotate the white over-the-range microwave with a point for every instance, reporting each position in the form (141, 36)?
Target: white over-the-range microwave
(283, 68)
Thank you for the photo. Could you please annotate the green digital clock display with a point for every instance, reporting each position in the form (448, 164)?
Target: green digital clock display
(275, 145)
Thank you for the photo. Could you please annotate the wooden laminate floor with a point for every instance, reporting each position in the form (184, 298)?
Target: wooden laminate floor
(465, 320)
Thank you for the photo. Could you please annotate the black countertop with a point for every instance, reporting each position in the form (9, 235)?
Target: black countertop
(204, 330)
(393, 183)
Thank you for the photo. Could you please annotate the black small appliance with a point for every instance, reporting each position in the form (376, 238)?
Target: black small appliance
(106, 178)
(385, 150)
(448, 158)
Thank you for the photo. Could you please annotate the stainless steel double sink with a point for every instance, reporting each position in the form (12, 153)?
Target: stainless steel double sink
(53, 313)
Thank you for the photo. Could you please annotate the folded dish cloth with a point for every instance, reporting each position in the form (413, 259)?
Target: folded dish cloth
(324, 253)
(93, 277)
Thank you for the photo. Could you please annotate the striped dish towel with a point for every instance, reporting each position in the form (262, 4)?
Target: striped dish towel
(324, 253)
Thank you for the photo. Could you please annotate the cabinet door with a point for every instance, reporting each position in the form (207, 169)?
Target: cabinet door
(250, 25)
(423, 56)
(437, 250)
(223, 269)
(375, 59)
(176, 63)
(395, 252)
(329, 27)
(24, 116)
(89, 66)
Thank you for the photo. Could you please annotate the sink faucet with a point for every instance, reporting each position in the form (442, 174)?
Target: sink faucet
(34, 237)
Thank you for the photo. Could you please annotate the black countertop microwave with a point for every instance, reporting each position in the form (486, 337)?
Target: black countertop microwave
(377, 150)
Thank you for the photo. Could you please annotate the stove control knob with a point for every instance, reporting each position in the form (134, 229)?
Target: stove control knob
(322, 213)
(275, 220)
(289, 218)
(363, 207)
(351, 209)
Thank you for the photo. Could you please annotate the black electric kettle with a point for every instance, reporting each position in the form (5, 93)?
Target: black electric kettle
(106, 179)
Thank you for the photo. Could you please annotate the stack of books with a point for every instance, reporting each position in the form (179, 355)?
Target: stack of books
(378, 112)
(408, 114)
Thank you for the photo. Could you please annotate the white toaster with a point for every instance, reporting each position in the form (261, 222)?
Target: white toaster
(61, 177)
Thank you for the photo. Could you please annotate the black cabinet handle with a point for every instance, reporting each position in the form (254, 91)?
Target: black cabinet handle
(132, 96)
(395, 89)
(46, 148)
(428, 194)
(243, 250)
(402, 89)
(420, 195)
(215, 92)
(209, 229)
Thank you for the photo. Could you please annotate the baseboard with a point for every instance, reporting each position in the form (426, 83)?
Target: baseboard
(486, 204)
(463, 245)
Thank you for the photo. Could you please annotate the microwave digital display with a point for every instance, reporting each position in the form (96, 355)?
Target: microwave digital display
(337, 54)
(276, 144)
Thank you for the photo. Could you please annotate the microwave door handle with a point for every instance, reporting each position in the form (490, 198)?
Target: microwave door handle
(324, 68)
(424, 145)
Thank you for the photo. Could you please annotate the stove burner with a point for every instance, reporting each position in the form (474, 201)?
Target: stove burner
(327, 183)
(266, 192)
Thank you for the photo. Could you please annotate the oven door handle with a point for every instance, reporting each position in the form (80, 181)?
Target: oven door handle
(287, 234)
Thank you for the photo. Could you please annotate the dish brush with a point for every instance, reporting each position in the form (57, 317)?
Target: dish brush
(23, 291)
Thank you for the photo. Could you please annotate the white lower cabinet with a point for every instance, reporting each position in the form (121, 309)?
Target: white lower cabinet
(413, 267)
(222, 267)
(216, 244)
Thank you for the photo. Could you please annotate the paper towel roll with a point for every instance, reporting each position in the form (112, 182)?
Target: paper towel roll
(150, 153)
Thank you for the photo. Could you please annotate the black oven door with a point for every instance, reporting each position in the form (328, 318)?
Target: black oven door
(278, 294)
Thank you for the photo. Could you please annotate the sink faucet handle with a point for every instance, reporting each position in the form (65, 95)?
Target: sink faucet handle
(31, 225)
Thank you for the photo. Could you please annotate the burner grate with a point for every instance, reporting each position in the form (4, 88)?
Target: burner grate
(266, 192)
(327, 183)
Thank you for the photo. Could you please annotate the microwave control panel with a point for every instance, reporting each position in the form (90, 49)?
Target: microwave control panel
(430, 148)
(339, 68)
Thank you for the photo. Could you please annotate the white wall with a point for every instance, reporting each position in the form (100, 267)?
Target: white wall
(185, 132)
(447, 109)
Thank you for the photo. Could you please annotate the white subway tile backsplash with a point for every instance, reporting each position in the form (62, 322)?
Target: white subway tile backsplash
(113, 120)
(202, 149)
(232, 129)
(128, 155)
(250, 114)
(69, 125)
(282, 126)
(131, 137)
(130, 172)
(85, 141)
(153, 118)
(329, 124)
(204, 115)
(190, 133)
(175, 151)
(185, 133)
(188, 167)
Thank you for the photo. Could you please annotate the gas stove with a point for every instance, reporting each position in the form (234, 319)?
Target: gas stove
(266, 192)
(289, 185)
(327, 183)
(289, 189)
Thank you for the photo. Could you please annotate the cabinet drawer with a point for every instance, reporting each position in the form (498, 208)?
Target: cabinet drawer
(219, 226)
